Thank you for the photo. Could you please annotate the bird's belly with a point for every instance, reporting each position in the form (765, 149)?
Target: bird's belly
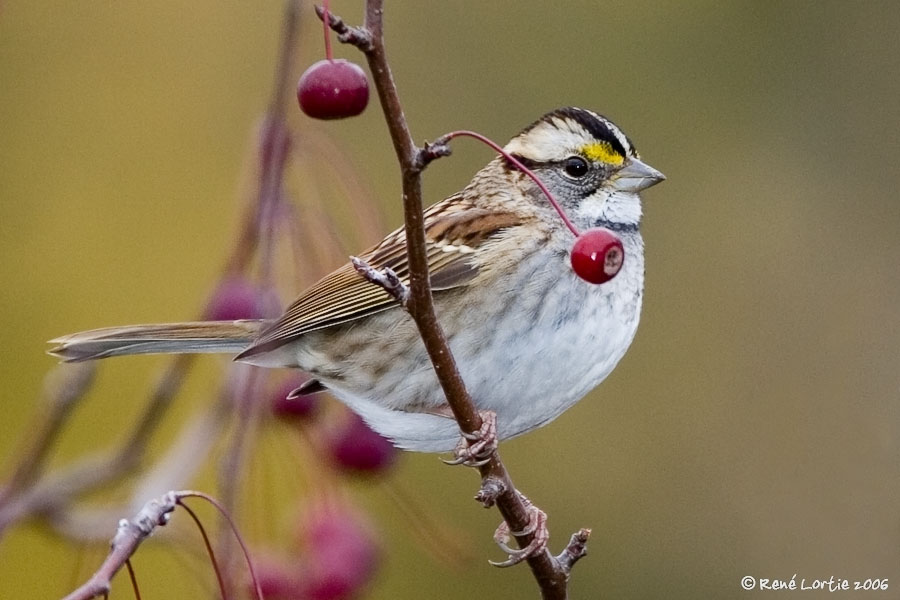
(528, 357)
(546, 364)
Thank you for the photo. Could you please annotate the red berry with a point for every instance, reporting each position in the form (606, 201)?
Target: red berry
(333, 89)
(235, 298)
(355, 447)
(299, 408)
(597, 255)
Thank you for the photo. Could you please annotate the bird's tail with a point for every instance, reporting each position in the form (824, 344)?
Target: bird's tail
(166, 338)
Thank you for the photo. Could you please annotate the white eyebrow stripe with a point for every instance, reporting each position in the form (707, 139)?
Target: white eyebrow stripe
(548, 143)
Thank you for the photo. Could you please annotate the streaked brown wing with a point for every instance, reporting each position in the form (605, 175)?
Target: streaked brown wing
(454, 229)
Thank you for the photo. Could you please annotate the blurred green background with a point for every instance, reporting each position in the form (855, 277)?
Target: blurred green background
(754, 426)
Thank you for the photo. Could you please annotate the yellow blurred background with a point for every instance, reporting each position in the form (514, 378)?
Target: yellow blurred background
(752, 429)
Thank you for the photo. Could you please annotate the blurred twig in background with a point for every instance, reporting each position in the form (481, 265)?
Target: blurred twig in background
(278, 235)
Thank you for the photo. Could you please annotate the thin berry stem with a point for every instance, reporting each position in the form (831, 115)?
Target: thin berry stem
(134, 583)
(518, 164)
(237, 534)
(326, 20)
(209, 549)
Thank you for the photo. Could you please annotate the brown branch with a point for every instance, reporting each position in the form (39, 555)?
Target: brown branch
(497, 487)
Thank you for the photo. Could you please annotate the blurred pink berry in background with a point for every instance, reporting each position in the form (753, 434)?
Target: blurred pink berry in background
(342, 553)
(278, 578)
(355, 447)
(235, 298)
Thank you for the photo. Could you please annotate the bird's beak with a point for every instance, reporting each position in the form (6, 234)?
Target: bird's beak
(636, 176)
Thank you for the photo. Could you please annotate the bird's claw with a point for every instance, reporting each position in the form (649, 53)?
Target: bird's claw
(475, 449)
(537, 525)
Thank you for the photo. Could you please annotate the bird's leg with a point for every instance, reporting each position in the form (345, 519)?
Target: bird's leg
(537, 525)
(475, 449)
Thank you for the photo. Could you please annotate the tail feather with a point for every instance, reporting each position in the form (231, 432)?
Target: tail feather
(165, 338)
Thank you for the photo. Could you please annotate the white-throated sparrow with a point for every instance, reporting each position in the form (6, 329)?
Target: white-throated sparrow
(529, 336)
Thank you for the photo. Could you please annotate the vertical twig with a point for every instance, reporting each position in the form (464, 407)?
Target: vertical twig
(551, 575)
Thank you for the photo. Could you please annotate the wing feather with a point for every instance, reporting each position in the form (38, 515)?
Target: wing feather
(454, 230)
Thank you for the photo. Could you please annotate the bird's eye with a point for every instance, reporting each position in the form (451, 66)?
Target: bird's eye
(576, 167)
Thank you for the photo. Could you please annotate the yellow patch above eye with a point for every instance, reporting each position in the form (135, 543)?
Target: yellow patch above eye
(602, 152)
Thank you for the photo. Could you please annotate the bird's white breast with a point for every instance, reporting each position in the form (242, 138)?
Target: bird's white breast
(550, 339)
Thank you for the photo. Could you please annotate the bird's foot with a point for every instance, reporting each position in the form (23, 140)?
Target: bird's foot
(537, 525)
(475, 449)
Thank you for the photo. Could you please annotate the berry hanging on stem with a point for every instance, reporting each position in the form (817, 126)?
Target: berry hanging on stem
(597, 255)
(332, 88)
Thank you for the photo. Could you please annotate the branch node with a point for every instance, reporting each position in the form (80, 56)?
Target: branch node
(355, 36)
(386, 279)
(574, 551)
(130, 533)
(491, 489)
(432, 151)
